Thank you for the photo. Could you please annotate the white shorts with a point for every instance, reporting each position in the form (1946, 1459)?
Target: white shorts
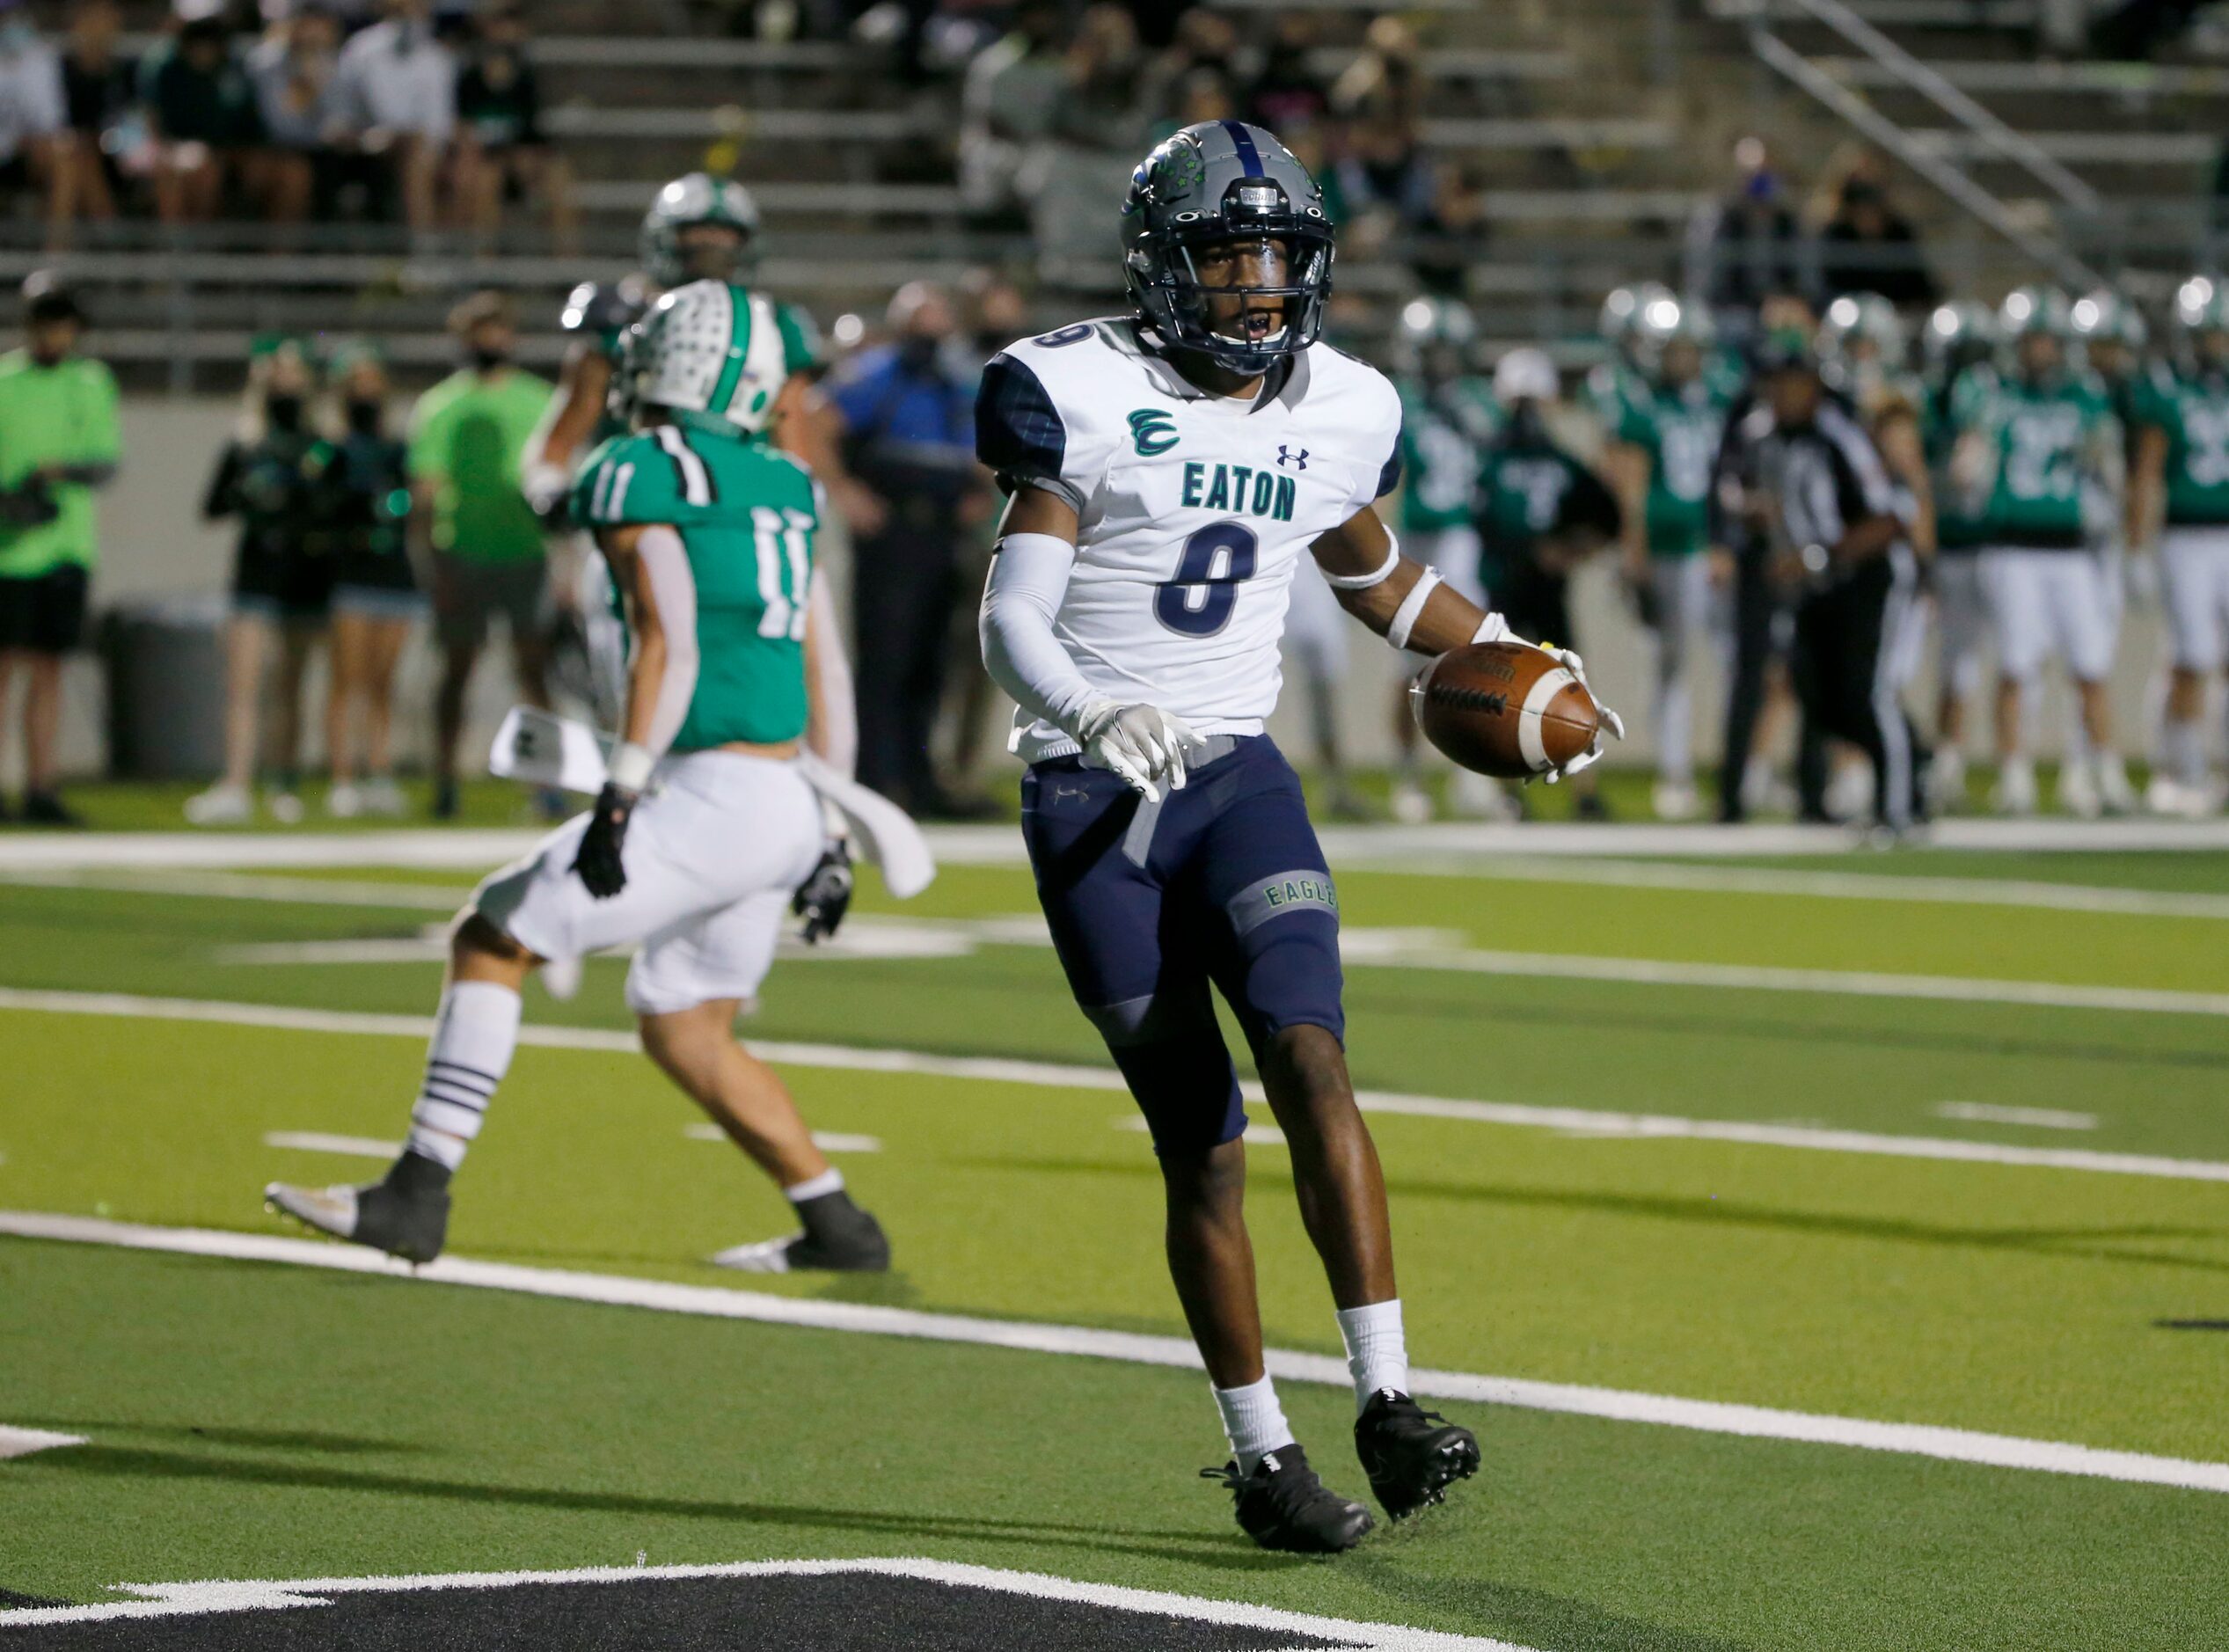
(713, 855)
(2194, 579)
(1962, 621)
(1316, 626)
(1456, 553)
(2046, 603)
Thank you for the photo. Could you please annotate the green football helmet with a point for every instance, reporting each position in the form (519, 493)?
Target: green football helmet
(1958, 335)
(2202, 305)
(1430, 328)
(2034, 309)
(698, 198)
(1857, 318)
(2105, 317)
(1624, 312)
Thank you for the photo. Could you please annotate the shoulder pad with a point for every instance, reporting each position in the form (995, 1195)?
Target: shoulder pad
(598, 308)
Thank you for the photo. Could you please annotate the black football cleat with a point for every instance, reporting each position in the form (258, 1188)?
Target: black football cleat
(405, 1216)
(839, 1238)
(1282, 1505)
(1411, 1455)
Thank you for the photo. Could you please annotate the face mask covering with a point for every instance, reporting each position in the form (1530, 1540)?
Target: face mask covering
(488, 361)
(919, 354)
(363, 416)
(284, 413)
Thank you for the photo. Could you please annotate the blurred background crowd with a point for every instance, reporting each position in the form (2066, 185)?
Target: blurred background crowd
(1575, 231)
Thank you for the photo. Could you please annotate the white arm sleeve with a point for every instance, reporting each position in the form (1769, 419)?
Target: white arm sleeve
(666, 565)
(1029, 577)
(834, 736)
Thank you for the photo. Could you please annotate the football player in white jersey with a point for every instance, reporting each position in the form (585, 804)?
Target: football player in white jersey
(1168, 471)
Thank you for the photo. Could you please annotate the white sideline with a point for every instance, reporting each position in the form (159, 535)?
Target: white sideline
(24, 1442)
(171, 1600)
(1956, 1445)
(1001, 1069)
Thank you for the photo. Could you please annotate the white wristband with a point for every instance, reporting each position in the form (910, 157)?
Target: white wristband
(1376, 576)
(1412, 607)
(630, 767)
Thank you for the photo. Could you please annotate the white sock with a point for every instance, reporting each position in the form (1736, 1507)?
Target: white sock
(1377, 1350)
(2185, 750)
(478, 1030)
(1253, 1421)
(819, 1186)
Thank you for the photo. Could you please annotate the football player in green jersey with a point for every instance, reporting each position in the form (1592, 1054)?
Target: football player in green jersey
(1960, 338)
(2181, 503)
(707, 832)
(1448, 416)
(2039, 452)
(1659, 460)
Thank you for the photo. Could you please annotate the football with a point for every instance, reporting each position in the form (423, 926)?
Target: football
(1505, 709)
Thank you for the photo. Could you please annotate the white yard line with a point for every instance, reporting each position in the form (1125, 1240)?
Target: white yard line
(235, 886)
(2032, 1118)
(320, 1141)
(24, 1442)
(171, 1600)
(1000, 1069)
(1957, 1446)
(827, 1141)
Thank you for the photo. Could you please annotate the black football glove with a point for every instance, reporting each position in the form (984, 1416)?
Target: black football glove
(823, 898)
(598, 863)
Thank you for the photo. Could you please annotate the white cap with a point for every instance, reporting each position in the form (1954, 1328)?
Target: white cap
(1525, 375)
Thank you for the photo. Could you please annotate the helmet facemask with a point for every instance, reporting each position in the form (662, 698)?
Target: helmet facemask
(1243, 286)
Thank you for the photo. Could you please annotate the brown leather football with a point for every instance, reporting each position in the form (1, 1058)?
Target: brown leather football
(1505, 709)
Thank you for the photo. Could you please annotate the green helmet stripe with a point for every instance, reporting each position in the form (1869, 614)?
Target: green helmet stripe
(739, 330)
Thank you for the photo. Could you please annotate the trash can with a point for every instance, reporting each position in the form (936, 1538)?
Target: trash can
(165, 663)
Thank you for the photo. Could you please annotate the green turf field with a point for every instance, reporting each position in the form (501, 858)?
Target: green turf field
(253, 1419)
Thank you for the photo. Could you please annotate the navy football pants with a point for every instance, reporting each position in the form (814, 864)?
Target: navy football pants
(1225, 883)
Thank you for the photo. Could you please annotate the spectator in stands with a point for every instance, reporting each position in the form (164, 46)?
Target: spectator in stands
(1008, 107)
(99, 88)
(1289, 91)
(1099, 129)
(1385, 182)
(500, 146)
(269, 479)
(375, 596)
(1747, 244)
(908, 413)
(1452, 232)
(294, 69)
(398, 90)
(1384, 78)
(468, 437)
(59, 442)
(34, 119)
(1866, 245)
(1205, 41)
(200, 110)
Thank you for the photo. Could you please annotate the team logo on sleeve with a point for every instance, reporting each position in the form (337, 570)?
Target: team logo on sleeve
(1152, 431)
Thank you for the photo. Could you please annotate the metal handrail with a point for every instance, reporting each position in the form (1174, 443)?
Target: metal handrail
(1779, 56)
(1932, 85)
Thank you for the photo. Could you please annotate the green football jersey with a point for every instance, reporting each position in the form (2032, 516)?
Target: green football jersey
(1611, 389)
(747, 513)
(2194, 414)
(1958, 525)
(1523, 485)
(1442, 433)
(2043, 436)
(1679, 430)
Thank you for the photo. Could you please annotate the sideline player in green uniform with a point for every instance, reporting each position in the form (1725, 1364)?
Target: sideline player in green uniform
(1960, 338)
(1659, 459)
(1448, 416)
(2180, 504)
(2040, 454)
(706, 832)
(59, 442)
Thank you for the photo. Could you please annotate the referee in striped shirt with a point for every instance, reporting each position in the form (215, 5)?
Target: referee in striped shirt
(1823, 502)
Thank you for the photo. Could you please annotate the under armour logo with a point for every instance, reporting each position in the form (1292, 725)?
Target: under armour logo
(1285, 455)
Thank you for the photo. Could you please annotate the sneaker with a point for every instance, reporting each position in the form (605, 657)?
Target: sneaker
(1479, 797)
(1675, 801)
(2179, 800)
(220, 806)
(2113, 788)
(1849, 792)
(1591, 808)
(2016, 787)
(286, 808)
(1282, 1505)
(344, 801)
(381, 797)
(1411, 804)
(853, 1247)
(445, 799)
(403, 1215)
(1947, 784)
(2077, 792)
(1411, 1455)
(45, 809)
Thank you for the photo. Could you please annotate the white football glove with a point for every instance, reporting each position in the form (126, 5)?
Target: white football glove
(1143, 744)
(1611, 722)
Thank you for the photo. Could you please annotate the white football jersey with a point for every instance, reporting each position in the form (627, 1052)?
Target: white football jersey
(1193, 510)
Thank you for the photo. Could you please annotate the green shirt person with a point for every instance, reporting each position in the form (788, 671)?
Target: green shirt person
(466, 450)
(59, 442)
